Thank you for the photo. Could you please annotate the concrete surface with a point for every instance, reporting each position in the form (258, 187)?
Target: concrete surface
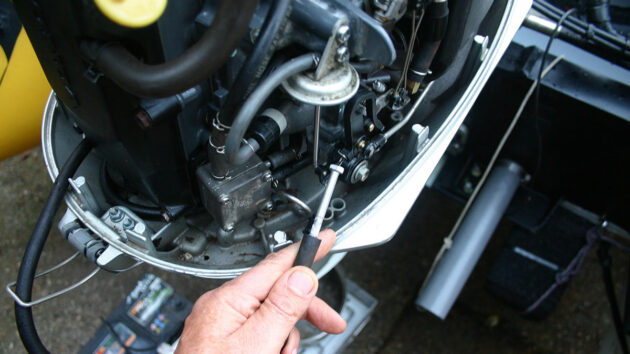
(392, 273)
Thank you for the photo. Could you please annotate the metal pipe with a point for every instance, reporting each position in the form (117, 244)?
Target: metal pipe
(316, 137)
(451, 274)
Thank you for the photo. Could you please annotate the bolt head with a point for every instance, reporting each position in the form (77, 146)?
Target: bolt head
(342, 55)
(229, 227)
(128, 224)
(115, 214)
(267, 176)
(224, 199)
(361, 145)
(363, 173)
(269, 205)
(371, 127)
(343, 34)
(378, 86)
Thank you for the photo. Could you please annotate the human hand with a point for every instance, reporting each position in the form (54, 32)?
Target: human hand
(257, 311)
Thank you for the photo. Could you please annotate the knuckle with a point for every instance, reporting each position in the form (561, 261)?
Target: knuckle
(272, 258)
(284, 307)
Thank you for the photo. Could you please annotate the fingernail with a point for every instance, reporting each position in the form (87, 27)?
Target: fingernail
(301, 282)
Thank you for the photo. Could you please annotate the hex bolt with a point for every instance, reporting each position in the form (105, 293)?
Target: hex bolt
(343, 34)
(267, 176)
(269, 205)
(371, 127)
(115, 214)
(128, 224)
(362, 173)
(224, 199)
(361, 144)
(379, 86)
(229, 227)
(342, 55)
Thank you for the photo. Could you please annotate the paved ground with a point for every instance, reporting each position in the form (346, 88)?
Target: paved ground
(392, 273)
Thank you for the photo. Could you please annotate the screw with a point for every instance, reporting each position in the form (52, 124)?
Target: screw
(361, 144)
(476, 171)
(468, 187)
(128, 224)
(371, 127)
(343, 55)
(115, 214)
(343, 34)
(379, 86)
(266, 177)
(269, 205)
(362, 173)
(224, 199)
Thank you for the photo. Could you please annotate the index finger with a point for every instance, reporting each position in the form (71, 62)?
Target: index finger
(258, 281)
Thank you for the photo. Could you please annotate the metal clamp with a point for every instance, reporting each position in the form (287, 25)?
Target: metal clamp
(23, 303)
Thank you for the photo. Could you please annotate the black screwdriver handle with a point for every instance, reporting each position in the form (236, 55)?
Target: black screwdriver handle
(308, 250)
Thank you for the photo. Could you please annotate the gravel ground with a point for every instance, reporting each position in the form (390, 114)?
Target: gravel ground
(392, 273)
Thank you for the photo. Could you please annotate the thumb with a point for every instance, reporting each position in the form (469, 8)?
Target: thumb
(286, 304)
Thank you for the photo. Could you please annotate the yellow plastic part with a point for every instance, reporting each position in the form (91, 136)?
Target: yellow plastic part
(132, 13)
(23, 94)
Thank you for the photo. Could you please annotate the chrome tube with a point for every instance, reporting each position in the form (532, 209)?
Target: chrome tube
(451, 274)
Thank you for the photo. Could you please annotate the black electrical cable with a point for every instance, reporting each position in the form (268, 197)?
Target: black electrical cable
(553, 36)
(120, 341)
(585, 26)
(24, 287)
(257, 60)
(606, 262)
(112, 197)
(586, 30)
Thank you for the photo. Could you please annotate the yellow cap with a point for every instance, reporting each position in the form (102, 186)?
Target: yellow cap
(132, 13)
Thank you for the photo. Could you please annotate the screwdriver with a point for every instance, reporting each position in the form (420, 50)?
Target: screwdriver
(310, 241)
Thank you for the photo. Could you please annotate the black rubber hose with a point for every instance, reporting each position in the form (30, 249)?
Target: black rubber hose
(257, 60)
(237, 154)
(196, 64)
(26, 274)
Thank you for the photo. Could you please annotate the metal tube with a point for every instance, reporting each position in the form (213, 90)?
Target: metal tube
(316, 136)
(318, 219)
(451, 274)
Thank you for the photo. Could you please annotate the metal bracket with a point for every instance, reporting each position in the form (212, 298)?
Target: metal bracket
(32, 303)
